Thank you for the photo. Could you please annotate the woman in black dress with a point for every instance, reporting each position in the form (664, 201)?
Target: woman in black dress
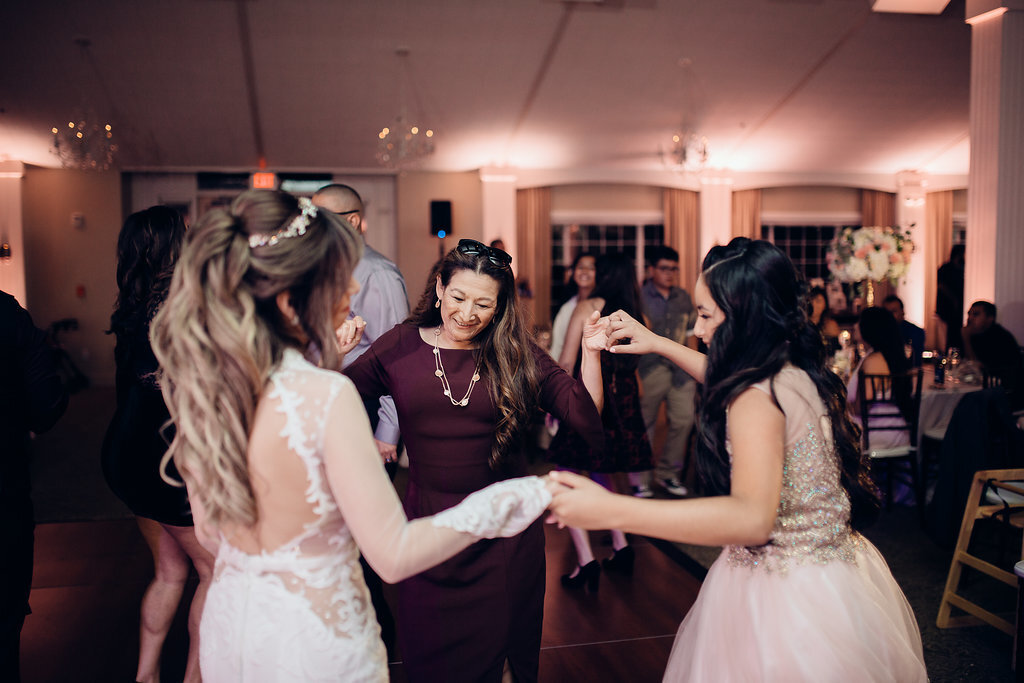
(147, 249)
(480, 612)
(627, 446)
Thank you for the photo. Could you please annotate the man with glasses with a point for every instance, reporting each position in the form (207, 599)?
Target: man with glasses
(383, 303)
(670, 313)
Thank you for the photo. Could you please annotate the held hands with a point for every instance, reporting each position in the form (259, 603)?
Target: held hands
(595, 333)
(577, 501)
(621, 326)
(503, 509)
(349, 334)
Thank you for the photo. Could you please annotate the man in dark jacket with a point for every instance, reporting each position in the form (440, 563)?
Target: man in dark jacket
(32, 397)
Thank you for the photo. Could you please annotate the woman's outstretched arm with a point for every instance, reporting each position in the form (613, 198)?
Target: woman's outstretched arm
(745, 516)
(394, 546)
(594, 339)
(642, 340)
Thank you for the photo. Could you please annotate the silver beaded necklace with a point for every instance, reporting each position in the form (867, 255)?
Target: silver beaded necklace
(439, 372)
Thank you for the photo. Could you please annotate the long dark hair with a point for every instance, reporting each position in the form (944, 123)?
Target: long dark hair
(766, 326)
(504, 349)
(616, 284)
(147, 249)
(879, 330)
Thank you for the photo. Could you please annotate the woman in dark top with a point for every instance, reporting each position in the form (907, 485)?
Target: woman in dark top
(147, 249)
(627, 446)
(480, 612)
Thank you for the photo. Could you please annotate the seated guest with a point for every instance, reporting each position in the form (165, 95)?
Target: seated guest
(911, 333)
(994, 347)
(822, 319)
(988, 342)
(884, 355)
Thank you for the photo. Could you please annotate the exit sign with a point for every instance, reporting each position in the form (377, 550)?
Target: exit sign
(264, 181)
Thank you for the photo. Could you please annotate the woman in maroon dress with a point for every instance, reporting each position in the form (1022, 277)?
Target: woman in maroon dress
(470, 618)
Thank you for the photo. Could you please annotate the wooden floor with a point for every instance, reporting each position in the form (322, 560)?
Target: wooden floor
(90, 577)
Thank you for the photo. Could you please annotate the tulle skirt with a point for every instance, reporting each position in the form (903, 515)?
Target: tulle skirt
(839, 621)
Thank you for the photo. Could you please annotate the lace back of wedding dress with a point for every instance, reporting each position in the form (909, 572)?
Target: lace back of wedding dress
(299, 611)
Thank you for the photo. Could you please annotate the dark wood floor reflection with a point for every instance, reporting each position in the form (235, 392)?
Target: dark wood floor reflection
(90, 576)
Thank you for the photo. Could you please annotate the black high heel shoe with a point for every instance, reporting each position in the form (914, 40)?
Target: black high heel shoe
(621, 561)
(588, 576)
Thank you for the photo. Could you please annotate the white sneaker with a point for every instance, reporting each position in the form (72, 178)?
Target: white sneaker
(674, 486)
(643, 491)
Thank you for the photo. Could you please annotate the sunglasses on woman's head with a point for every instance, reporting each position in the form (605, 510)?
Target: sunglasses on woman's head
(496, 256)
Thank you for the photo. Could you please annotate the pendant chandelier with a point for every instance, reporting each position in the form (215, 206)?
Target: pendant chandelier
(85, 141)
(85, 144)
(405, 141)
(687, 154)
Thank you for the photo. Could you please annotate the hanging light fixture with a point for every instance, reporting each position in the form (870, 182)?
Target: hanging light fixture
(405, 140)
(687, 154)
(85, 142)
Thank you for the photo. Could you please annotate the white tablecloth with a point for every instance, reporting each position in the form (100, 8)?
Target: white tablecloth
(937, 406)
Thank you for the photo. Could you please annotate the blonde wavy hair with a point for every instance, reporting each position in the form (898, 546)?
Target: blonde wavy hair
(220, 333)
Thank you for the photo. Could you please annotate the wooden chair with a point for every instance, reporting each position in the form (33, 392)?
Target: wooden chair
(994, 494)
(877, 397)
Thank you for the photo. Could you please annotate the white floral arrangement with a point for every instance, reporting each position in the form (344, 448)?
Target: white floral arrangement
(870, 253)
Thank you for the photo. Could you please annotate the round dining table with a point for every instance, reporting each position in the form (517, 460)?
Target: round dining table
(937, 405)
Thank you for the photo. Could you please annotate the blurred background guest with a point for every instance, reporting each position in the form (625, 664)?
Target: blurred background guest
(822, 319)
(913, 336)
(32, 398)
(668, 311)
(995, 348)
(627, 448)
(581, 284)
(883, 355)
(147, 249)
(949, 299)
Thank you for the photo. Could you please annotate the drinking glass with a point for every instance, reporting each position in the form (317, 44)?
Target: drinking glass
(954, 364)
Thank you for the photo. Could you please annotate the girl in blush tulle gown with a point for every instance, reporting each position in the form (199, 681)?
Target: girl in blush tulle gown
(797, 593)
(276, 449)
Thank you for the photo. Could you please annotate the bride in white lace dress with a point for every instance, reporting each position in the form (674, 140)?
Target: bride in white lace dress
(282, 471)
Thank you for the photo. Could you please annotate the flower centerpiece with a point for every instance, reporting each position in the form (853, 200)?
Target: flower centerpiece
(870, 254)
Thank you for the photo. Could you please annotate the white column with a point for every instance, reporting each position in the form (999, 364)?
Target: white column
(995, 200)
(910, 215)
(715, 210)
(12, 270)
(499, 206)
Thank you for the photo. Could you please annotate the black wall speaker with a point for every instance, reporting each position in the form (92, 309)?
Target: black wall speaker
(441, 217)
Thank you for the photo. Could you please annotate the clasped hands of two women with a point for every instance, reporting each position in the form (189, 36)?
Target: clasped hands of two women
(574, 498)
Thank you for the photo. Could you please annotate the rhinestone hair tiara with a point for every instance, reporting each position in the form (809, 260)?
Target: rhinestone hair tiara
(295, 228)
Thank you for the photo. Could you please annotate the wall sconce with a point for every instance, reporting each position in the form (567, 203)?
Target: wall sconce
(5, 251)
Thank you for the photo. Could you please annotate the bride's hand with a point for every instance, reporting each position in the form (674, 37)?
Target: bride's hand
(621, 326)
(349, 334)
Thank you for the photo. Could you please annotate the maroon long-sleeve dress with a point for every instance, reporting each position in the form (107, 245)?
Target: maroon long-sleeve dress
(460, 620)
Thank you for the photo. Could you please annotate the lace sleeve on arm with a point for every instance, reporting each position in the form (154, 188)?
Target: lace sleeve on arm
(395, 547)
(503, 509)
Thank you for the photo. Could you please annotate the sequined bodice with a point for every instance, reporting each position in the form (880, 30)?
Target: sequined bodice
(812, 524)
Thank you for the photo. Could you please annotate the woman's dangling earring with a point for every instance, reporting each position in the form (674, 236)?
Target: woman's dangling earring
(295, 320)
(437, 304)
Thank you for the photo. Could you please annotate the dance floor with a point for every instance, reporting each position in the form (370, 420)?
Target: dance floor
(90, 576)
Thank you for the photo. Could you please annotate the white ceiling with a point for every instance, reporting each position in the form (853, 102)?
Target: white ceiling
(776, 86)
